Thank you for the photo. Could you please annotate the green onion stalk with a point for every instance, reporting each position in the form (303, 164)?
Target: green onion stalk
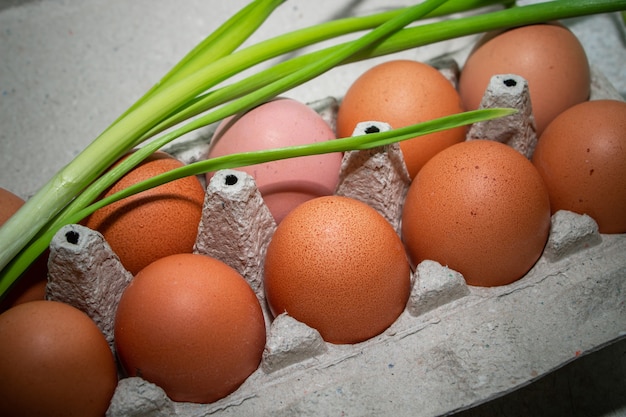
(187, 98)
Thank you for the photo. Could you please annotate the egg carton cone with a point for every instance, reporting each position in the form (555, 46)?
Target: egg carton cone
(454, 346)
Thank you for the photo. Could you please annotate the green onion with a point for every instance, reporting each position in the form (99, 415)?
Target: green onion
(369, 141)
(63, 186)
(222, 42)
(114, 142)
(402, 40)
(186, 92)
(130, 130)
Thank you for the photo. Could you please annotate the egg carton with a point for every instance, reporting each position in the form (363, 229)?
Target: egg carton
(453, 347)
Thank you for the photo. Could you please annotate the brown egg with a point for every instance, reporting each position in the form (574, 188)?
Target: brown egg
(32, 284)
(286, 183)
(9, 204)
(582, 159)
(402, 93)
(338, 266)
(192, 325)
(548, 56)
(155, 223)
(54, 361)
(480, 208)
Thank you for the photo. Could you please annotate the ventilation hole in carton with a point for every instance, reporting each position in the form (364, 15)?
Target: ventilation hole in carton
(372, 129)
(510, 82)
(72, 237)
(231, 179)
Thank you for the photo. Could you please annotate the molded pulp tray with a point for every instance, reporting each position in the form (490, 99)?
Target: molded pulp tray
(454, 346)
(474, 344)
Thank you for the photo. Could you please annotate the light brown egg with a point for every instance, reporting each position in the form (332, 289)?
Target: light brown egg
(548, 56)
(32, 284)
(582, 159)
(480, 208)
(192, 325)
(402, 93)
(155, 223)
(337, 265)
(54, 361)
(287, 183)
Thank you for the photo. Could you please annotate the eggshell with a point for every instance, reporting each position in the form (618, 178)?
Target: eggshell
(284, 184)
(9, 204)
(192, 325)
(402, 93)
(548, 56)
(32, 284)
(582, 159)
(155, 223)
(338, 266)
(480, 208)
(54, 361)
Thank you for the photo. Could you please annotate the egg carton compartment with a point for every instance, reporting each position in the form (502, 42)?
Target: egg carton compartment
(453, 347)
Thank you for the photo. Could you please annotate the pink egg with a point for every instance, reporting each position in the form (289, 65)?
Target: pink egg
(287, 183)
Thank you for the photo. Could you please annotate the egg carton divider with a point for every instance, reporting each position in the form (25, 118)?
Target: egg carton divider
(453, 347)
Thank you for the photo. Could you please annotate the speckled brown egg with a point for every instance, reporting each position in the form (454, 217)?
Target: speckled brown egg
(54, 361)
(335, 264)
(402, 93)
(9, 204)
(155, 223)
(192, 325)
(548, 56)
(480, 208)
(582, 158)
